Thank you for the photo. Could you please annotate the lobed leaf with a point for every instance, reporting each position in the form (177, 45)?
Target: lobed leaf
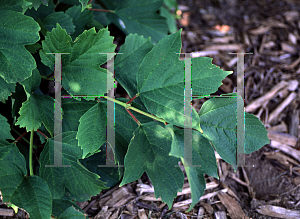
(30, 193)
(203, 160)
(81, 70)
(16, 31)
(160, 81)
(221, 130)
(148, 152)
(76, 178)
(36, 110)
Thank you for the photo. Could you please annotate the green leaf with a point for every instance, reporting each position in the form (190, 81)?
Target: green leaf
(11, 154)
(57, 41)
(42, 12)
(171, 4)
(14, 5)
(36, 110)
(125, 127)
(34, 196)
(112, 5)
(6, 89)
(83, 4)
(221, 130)
(170, 19)
(36, 3)
(30, 193)
(256, 135)
(148, 152)
(92, 129)
(72, 111)
(109, 175)
(73, 213)
(33, 82)
(13, 173)
(80, 19)
(135, 16)
(63, 208)
(81, 70)
(206, 77)
(79, 181)
(127, 64)
(202, 152)
(95, 24)
(61, 18)
(203, 157)
(23, 148)
(33, 48)
(5, 129)
(18, 97)
(160, 82)
(45, 132)
(17, 30)
(70, 2)
(101, 17)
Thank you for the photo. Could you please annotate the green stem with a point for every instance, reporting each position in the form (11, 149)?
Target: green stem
(128, 106)
(46, 78)
(30, 153)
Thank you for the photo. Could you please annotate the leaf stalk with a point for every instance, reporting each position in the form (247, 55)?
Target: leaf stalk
(127, 106)
(102, 10)
(30, 153)
(21, 136)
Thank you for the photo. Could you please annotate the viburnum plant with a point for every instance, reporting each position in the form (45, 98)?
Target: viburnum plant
(149, 129)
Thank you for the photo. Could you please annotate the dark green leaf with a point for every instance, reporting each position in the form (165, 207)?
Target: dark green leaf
(36, 3)
(80, 182)
(109, 175)
(61, 18)
(16, 31)
(62, 208)
(80, 19)
(5, 129)
(203, 160)
(6, 89)
(127, 64)
(33, 82)
(14, 5)
(92, 129)
(148, 152)
(135, 16)
(36, 110)
(72, 111)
